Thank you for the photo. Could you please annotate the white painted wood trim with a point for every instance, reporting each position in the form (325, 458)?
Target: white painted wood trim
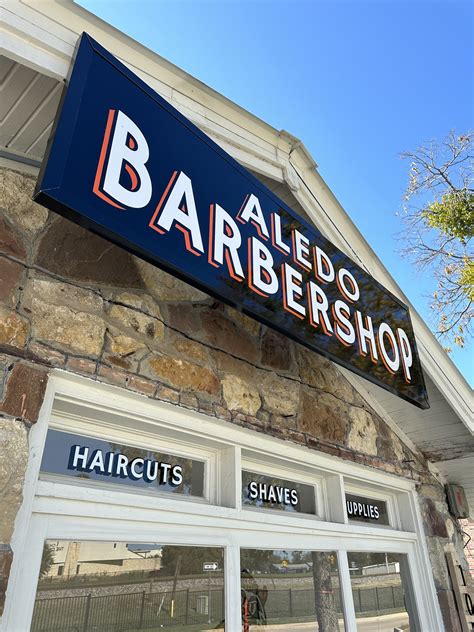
(63, 511)
(347, 598)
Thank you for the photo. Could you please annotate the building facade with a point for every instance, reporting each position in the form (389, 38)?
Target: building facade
(106, 357)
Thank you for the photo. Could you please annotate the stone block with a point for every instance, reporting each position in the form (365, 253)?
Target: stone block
(13, 329)
(433, 490)
(165, 287)
(10, 275)
(276, 351)
(13, 462)
(228, 364)
(6, 558)
(206, 407)
(323, 417)
(286, 434)
(121, 362)
(112, 376)
(189, 348)
(136, 322)
(280, 395)
(313, 368)
(167, 394)
(146, 387)
(222, 412)
(57, 293)
(363, 433)
(140, 302)
(188, 400)
(24, 392)
(240, 396)
(181, 374)
(434, 521)
(72, 330)
(46, 354)
(122, 345)
(76, 253)
(320, 373)
(438, 563)
(225, 335)
(250, 325)
(10, 242)
(81, 365)
(16, 190)
(328, 448)
(184, 318)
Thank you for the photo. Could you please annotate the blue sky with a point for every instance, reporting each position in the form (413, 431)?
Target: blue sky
(358, 82)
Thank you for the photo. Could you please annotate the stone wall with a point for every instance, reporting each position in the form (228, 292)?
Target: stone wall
(70, 299)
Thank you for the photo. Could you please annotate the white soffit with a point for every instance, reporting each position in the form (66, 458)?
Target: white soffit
(28, 103)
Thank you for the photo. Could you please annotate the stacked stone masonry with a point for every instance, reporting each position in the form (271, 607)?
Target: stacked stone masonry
(70, 299)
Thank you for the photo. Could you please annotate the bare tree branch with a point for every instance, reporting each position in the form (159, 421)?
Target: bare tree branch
(439, 227)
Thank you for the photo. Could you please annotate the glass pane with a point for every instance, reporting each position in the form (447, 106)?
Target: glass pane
(361, 509)
(290, 590)
(125, 587)
(97, 460)
(381, 587)
(267, 492)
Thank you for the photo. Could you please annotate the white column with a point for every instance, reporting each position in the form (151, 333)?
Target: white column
(233, 616)
(346, 592)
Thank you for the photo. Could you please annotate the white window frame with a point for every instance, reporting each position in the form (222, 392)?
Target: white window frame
(88, 429)
(54, 510)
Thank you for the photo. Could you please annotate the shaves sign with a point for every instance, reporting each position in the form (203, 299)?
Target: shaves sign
(272, 494)
(127, 165)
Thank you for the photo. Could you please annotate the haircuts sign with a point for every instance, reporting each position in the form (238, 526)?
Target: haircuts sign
(124, 163)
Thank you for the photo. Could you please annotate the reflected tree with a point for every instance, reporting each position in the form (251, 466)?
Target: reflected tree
(324, 596)
(47, 559)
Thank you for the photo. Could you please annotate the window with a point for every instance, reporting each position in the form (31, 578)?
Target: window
(267, 492)
(126, 555)
(93, 459)
(362, 509)
(287, 588)
(129, 586)
(382, 591)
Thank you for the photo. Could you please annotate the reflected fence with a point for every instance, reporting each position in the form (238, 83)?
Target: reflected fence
(143, 610)
(130, 611)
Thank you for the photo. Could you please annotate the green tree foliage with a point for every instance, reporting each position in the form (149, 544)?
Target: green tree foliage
(189, 560)
(47, 559)
(439, 221)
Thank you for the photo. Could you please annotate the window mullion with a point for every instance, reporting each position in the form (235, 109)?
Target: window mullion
(346, 592)
(233, 616)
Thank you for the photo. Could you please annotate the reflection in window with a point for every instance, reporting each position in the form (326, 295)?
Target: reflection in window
(381, 587)
(284, 590)
(267, 492)
(120, 586)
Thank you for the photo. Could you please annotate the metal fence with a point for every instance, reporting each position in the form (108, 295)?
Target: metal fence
(142, 610)
(131, 611)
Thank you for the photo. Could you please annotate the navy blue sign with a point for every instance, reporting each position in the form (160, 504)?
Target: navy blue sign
(125, 164)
